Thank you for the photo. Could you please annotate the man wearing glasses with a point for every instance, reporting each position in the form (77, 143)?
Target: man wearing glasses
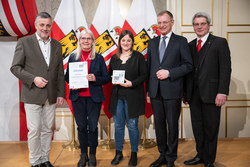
(206, 88)
(169, 60)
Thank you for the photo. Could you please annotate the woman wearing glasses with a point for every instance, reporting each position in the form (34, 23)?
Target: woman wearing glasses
(87, 102)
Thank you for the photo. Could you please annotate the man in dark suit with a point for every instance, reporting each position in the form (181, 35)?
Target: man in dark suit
(168, 61)
(38, 64)
(206, 88)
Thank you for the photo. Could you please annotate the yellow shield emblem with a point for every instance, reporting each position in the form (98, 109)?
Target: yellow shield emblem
(141, 41)
(69, 43)
(104, 42)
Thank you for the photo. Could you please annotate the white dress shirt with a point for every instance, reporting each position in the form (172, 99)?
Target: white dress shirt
(45, 48)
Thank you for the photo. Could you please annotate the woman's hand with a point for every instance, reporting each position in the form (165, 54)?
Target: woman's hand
(74, 88)
(127, 83)
(91, 77)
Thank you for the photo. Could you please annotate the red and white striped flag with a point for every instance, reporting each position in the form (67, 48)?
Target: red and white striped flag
(17, 17)
(68, 23)
(106, 28)
(141, 20)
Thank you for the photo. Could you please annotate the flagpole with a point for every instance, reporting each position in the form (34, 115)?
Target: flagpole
(146, 143)
(72, 145)
(109, 143)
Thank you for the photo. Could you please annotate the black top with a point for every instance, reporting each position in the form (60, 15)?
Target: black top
(136, 72)
(122, 90)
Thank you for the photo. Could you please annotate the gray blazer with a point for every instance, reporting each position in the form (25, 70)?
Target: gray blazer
(28, 62)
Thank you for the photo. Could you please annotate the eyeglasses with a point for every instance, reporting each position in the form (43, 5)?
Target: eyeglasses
(86, 39)
(201, 24)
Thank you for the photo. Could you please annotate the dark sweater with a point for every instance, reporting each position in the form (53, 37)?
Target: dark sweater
(136, 72)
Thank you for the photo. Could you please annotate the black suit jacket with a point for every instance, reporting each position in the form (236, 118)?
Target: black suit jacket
(177, 60)
(99, 69)
(212, 67)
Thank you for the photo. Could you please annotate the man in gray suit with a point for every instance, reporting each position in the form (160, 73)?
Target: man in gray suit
(169, 60)
(38, 64)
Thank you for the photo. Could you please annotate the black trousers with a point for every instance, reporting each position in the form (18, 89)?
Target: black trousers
(166, 117)
(205, 118)
(87, 113)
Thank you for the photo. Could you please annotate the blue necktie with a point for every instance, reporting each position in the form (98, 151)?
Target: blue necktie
(162, 47)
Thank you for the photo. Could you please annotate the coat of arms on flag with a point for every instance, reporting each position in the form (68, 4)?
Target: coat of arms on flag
(106, 28)
(141, 20)
(68, 23)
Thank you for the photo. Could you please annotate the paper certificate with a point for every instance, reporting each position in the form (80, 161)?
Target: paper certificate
(77, 75)
(118, 76)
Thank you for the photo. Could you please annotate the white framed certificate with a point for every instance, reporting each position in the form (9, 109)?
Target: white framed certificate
(118, 76)
(77, 75)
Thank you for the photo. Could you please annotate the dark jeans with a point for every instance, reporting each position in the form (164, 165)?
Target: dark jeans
(87, 113)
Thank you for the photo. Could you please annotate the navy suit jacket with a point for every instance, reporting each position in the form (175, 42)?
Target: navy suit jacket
(99, 69)
(177, 60)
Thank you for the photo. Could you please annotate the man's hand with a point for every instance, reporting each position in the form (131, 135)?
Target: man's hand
(59, 101)
(184, 101)
(162, 74)
(40, 82)
(148, 98)
(220, 99)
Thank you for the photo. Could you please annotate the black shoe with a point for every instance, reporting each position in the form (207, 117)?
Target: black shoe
(92, 160)
(196, 160)
(35, 165)
(46, 164)
(209, 165)
(170, 164)
(159, 162)
(118, 158)
(133, 159)
(83, 160)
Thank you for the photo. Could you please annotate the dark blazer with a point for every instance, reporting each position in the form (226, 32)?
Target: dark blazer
(136, 72)
(214, 69)
(29, 62)
(177, 60)
(99, 69)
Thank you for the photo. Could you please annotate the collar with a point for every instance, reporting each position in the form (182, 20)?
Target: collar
(168, 35)
(204, 38)
(40, 39)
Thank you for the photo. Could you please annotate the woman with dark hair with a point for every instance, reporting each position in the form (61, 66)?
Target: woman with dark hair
(87, 102)
(127, 101)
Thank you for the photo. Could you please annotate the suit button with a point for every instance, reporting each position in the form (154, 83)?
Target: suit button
(160, 67)
(196, 69)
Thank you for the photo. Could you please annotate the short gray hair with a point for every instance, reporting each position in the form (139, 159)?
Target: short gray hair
(202, 14)
(43, 15)
(79, 50)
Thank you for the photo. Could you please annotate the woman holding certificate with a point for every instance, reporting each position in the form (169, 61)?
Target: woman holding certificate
(127, 102)
(86, 66)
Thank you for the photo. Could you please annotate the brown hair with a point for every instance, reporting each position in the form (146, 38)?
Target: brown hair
(124, 33)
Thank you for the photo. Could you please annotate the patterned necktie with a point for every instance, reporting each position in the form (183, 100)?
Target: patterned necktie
(162, 47)
(199, 45)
